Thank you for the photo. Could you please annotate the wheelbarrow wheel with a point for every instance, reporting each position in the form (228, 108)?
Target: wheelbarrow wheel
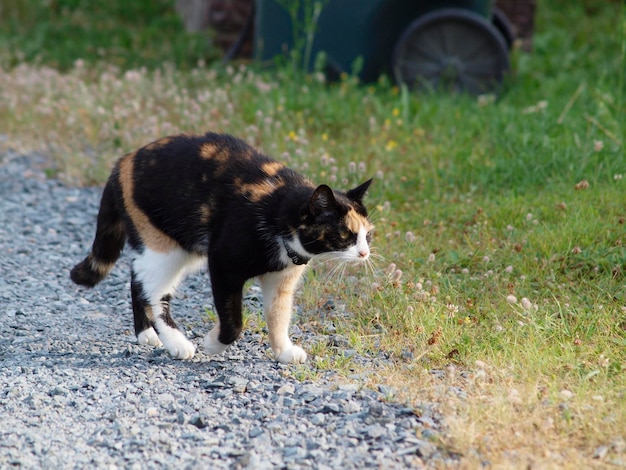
(451, 50)
(504, 26)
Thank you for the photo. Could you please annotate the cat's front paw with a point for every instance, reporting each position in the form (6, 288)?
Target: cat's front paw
(212, 344)
(177, 345)
(150, 337)
(292, 355)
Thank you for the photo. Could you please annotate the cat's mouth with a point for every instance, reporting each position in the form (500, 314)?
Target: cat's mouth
(301, 253)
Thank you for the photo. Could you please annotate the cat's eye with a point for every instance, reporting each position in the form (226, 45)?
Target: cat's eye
(344, 235)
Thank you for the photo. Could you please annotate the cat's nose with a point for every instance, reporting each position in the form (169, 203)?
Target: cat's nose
(364, 253)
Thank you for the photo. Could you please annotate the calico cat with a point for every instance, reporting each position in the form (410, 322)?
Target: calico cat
(184, 199)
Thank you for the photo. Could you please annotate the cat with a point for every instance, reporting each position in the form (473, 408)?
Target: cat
(187, 199)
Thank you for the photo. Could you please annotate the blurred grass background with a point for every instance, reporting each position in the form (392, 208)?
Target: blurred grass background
(127, 34)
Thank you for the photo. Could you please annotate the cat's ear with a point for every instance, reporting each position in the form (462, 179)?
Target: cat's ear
(322, 200)
(358, 193)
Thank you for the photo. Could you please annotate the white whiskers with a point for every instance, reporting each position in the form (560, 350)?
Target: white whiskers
(338, 263)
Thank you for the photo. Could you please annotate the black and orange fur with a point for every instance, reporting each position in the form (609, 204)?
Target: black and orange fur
(183, 199)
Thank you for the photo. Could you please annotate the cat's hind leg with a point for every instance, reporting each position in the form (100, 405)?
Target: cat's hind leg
(141, 311)
(143, 327)
(278, 288)
(155, 276)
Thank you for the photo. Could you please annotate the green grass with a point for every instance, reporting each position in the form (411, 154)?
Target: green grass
(127, 34)
(506, 276)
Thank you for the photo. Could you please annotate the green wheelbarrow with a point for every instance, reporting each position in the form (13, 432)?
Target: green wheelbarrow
(449, 45)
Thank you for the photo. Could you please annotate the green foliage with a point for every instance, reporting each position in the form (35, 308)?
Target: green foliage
(129, 34)
(304, 16)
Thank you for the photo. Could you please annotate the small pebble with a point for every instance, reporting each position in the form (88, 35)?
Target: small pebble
(286, 389)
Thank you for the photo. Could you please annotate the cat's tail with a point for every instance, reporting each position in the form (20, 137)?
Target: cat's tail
(108, 243)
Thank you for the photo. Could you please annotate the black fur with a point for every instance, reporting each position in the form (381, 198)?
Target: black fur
(214, 195)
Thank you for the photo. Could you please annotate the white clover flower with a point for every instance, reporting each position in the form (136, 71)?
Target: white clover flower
(396, 276)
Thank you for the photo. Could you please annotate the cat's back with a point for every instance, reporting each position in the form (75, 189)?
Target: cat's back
(209, 161)
(189, 157)
(182, 184)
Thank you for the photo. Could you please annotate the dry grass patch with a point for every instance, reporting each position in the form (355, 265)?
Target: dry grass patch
(493, 417)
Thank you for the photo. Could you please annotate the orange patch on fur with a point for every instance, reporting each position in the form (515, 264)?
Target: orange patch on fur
(219, 155)
(257, 191)
(271, 168)
(158, 143)
(101, 268)
(278, 308)
(209, 151)
(354, 221)
(149, 312)
(205, 213)
(152, 237)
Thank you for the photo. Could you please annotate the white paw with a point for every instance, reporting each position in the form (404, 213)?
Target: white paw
(177, 345)
(212, 344)
(292, 355)
(150, 337)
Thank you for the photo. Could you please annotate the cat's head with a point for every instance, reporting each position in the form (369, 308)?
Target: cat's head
(335, 225)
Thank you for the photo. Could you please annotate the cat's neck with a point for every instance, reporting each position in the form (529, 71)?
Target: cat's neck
(285, 207)
(282, 216)
(294, 256)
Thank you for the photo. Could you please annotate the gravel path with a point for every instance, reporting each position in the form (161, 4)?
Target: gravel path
(77, 392)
